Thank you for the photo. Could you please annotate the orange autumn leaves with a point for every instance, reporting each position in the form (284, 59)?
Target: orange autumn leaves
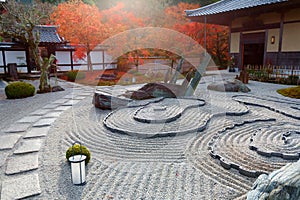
(85, 26)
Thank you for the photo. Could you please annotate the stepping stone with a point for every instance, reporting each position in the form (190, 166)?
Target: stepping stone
(3, 157)
(79, 97)
(60, 101)
(62, 108)
(16, 128)
(37, 132)
(40, 112)
(29, 119)
(22, 163)
(20, 187)
(29, 146)
(71, 102)
(50, 106)
(70, 96)
(8, 141)
(44, 122)
(53, 114)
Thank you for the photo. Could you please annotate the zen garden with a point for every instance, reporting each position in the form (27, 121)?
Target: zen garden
(150, 99)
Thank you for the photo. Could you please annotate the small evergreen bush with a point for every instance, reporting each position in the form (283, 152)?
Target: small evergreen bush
(75, 74)
(18, 90)
(77, 151)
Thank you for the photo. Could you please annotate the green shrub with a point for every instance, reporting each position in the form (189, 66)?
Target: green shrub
(17, 90)
(75, 74)
(77, 151)
(293, 92)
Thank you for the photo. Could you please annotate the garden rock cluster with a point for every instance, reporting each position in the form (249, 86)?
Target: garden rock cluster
(283, 184)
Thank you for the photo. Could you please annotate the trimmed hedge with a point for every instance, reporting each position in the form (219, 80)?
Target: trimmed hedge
(18, 90)
(75, 74)
(77, 151)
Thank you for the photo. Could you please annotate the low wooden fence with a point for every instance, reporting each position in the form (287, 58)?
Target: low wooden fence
(271, 73)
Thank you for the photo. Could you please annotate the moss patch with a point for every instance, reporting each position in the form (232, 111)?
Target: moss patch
(293, 92)
(77, 150)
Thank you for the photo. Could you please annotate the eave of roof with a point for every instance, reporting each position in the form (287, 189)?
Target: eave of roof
(229, 5)
(48, 34)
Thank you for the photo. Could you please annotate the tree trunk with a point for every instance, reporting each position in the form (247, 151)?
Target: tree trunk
(89, 61)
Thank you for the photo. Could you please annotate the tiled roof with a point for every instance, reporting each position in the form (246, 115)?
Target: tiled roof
(48, 34)
(229, 5)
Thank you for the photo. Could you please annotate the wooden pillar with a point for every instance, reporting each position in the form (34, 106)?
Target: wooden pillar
(266, 47)
(71, 57)
(4, 61)
(241, 58)
(280, 39)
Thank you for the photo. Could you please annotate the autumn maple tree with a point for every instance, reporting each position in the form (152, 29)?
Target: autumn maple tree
(85, 26)
(215, 40)
(80, 24)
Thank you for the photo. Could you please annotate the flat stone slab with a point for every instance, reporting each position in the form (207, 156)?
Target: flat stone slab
(71, 102)
(29, 119)
(3, 157)
(37, 132)
(62, 108)
(70, 96)
(29, 146)
(17, 128)
(60, 101)
(79, 97)
(20, 187)
(22, 163)
(44, 122)
(50, 106)
(53, 114)
(8, 141)
(40, 112)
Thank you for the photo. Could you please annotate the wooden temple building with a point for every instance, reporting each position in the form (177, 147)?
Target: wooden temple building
(13, 52)
(262, 32)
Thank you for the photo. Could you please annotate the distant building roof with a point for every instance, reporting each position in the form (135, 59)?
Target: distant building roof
(48, 34)
(225, 11)
(229, 5)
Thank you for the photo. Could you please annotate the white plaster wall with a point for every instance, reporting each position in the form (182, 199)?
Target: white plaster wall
(290, 37)
(18, 57)
(235, 43)
(273, 47)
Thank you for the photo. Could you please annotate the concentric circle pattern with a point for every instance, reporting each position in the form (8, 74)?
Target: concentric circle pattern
(166, 111)
(277, 141)
(284, 107)
(169, 117)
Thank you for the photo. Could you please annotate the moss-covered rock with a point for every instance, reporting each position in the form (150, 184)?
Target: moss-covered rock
(293, 92)
(17, 90)
(77, 151)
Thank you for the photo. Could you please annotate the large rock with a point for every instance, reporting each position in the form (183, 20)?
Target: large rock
(229, 86)
(283, 184)
(154, 90)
